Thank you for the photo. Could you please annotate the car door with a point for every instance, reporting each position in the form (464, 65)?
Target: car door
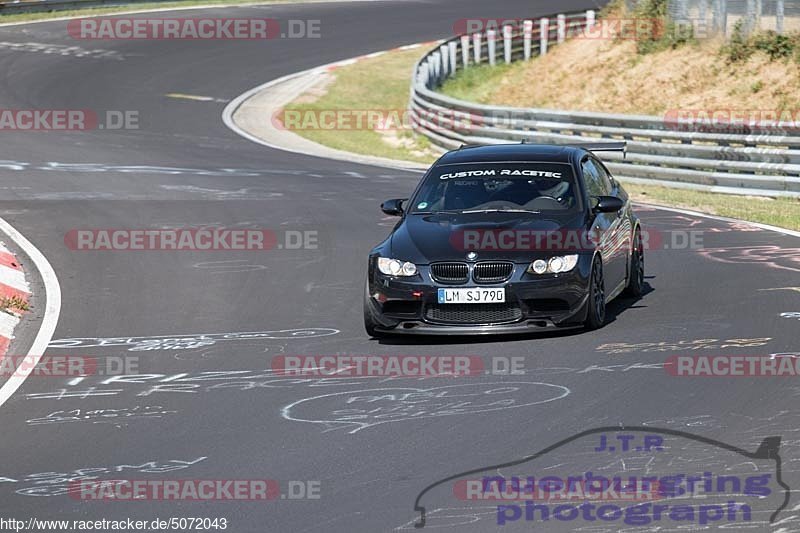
(605, 225)
(623, 231)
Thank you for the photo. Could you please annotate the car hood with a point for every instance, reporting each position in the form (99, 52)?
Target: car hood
(424, 239)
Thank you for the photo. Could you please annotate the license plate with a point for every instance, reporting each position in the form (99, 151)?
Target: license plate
(471, 296)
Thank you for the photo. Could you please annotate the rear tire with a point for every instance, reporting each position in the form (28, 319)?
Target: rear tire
(596, 314)
(635, 287)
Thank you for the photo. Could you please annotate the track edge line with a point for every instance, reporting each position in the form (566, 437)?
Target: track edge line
(52, 311)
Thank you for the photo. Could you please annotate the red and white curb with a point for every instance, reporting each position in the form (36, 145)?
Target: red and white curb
(13, 286)
(51, 295)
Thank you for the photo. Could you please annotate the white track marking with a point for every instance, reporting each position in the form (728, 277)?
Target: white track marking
(766, 227)
(52, 309)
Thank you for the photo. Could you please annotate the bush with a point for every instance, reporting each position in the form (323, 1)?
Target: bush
(776, 46)
(652, 9)
(667, 33)
(738, 47)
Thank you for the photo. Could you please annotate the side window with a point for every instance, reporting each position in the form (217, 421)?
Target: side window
(605, 178)
(594, 184)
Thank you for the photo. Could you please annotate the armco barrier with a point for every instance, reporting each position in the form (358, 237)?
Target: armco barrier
(765, 161)
(37, 6)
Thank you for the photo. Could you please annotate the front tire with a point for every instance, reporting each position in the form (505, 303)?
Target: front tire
(635, 287)
(596, 315)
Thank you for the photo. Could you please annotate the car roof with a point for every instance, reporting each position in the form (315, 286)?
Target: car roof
(543, 153)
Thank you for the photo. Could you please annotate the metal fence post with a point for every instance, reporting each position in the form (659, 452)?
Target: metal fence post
(452, 47)
(682, 10)
(445, 60)
(465, 50)
(544, 31)
(723, 16)
(750, 16)
(716, 26)
(562, 27)
(779, 16)
(759, 12)
(527, 33)
(590, 19)
(507, 44)
(701, 28)
(491, 41)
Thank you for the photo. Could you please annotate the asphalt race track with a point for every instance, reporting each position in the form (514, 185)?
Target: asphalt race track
(723, 298)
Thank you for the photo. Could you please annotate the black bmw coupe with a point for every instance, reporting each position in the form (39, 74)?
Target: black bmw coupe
(506, 239)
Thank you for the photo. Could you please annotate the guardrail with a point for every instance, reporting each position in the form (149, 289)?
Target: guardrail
(37, 6)
(761, 161)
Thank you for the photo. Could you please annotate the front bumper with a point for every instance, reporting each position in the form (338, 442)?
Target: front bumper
(533, 303)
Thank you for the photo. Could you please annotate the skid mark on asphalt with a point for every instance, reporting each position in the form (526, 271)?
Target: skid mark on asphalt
(244, 193)
(796, 289)
(63, 50)
(195, 97)
(235, 266)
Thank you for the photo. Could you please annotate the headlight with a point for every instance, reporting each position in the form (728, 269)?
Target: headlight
(555, 265)
(539, 266)
(395, 267)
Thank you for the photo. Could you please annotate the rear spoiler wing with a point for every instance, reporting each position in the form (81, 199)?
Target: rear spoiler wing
(621, 146)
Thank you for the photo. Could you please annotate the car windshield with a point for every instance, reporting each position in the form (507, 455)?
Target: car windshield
(493, 187)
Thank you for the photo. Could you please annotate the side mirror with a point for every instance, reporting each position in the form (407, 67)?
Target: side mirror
(393, 207)
(608, 204)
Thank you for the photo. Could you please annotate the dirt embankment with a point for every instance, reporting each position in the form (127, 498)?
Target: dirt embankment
(602, 75)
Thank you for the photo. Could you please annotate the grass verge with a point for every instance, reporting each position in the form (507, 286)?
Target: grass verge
(382, 83)
(376, 84)
(781, 212)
